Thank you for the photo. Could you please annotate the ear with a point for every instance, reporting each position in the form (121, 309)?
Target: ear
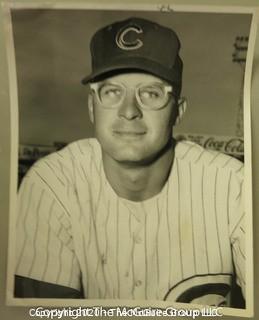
(91, 107)
(182, 106)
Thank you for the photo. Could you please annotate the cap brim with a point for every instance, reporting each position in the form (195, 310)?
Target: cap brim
(138, 63)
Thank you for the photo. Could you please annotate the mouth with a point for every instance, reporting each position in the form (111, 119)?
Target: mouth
(130, 134)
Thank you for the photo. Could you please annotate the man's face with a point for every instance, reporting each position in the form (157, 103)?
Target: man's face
(126, 131)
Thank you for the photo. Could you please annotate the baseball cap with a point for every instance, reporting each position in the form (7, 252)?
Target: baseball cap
(136, 44)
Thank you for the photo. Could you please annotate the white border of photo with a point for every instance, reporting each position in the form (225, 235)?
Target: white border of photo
(13, 93)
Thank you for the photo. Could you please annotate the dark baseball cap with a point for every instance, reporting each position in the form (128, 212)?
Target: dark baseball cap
(136, 44)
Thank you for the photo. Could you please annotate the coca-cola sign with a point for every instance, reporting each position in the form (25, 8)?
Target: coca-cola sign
(230, 145)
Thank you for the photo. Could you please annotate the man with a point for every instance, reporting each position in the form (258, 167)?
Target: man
(132, 214)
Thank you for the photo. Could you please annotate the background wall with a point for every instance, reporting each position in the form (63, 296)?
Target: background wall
(21, 312)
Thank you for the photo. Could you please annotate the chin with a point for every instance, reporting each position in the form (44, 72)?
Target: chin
(128, 156)
(131, 155)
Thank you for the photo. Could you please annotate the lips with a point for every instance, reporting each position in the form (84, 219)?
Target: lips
(127, 134)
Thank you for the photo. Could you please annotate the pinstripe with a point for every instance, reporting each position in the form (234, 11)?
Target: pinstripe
(90, 234)
(64, 175)
(85, 175)
(59, 261)
(157, 249)
(145, 244)
(242, 230)
(60, 202)
(54, 172)
(131, 266)
(47, 270)
(240, 274)
(59, 154)
(240, 191)
(98, 200)
(70, 281)
(106, 244)
(227, 162)
(48, 236)
(237, 224)
(133, 270)
(204, 219)
(93, 159)
(130, 217)
(100, 168)
(228, 195)
(21, 211)
(71, 153)
(86, 266)
(186, 153)
(24, 227)
(216, 218)
(169, 238)
(59, 231)
(36, 232)
(47, 257)
(117, 246)
(98, 261)
(239, 248)
(179, 216)
(239, 169)
(200, 155)
(96, 239)
(191, 205)
(106, 228)
(214, 158)
(79, 147)
(73, 172)
(81, 174)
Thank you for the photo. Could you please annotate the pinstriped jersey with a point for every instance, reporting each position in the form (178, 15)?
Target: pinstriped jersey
(184, 244)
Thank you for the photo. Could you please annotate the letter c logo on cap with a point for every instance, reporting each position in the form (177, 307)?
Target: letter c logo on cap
(129, 45)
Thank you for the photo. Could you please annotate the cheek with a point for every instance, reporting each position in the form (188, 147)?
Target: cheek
(102, 120)
(161, 124)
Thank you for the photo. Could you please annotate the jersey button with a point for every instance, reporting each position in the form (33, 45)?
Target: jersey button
(138, 283)
(104, 259)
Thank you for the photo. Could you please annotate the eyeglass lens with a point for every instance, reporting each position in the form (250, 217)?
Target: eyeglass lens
(152, 96)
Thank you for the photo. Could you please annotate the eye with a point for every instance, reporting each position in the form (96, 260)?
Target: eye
(151, 92)
(110, 91)
(110, 94)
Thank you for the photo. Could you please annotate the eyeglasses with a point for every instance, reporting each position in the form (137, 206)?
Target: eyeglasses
(153, 96)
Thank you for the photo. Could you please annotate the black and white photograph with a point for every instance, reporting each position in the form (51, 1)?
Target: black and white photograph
(131, 157)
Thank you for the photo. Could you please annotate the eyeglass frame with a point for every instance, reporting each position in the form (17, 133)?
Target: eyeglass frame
(168, 89)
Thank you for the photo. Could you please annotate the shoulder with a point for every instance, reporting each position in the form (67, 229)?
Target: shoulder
(84, 148)
(76, 149)
(60, 166)
(187, 151)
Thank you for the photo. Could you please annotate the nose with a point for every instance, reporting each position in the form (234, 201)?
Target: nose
(130, 108)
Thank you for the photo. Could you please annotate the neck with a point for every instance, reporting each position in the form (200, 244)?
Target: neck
(138, 182)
